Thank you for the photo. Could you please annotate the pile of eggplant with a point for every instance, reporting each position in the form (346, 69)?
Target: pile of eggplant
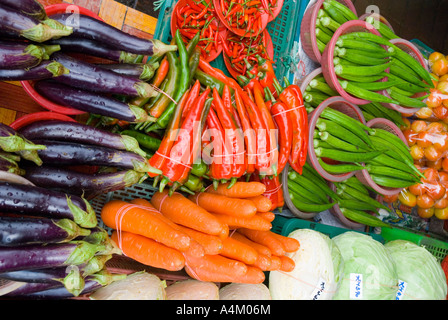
(46, 51)
(50, 243)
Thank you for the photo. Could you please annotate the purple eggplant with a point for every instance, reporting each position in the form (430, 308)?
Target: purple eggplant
(9, 165)
(46, 256)
(77, 132)
(45, 70)
(91, 102)
(31, 8)
(38, 201)
(96, 49)
(70, 153)
(76, 183)
(15, 55)
(44, 275)
(91, 283)
(17, 231)
(19, 25)
(142, 71)
(94, 29)
(88, 76)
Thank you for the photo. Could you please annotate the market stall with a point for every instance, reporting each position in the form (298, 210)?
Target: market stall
(228, 150)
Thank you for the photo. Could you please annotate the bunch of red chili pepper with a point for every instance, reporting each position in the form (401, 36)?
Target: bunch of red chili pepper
(242, 52)
(245, 15)
(198, 16)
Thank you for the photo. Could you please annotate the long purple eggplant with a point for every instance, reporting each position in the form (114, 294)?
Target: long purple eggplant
(46, 256)
(92, 102)
(19, 25)
(94, 29)
(45, 70)
(31, 8)
(70, 153)
(92, 283)
(15, 55)
(78, 132)
(76, 183)
(142, 71)
(38, 201)
(44, 275)
(87, 76)
(95, 48)
(17, 231)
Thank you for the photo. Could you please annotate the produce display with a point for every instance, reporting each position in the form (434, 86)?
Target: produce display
(221, 152)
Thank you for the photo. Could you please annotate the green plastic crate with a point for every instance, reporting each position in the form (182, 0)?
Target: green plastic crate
(284, 31)
(284, 226)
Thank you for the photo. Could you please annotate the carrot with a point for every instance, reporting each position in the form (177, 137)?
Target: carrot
(287, 264)
(123, 216)
(276, 263)
(262, 203)
(265, 238)
(261, 249)
(214, 268)
(218, 203)
(240, 189)
(256, 222)
(263, 262)
(148, 251)
(185, 212)
(253, 275)
(211, 244)
(195, 247)
(269, 216)
(234, 249)
(290, 244)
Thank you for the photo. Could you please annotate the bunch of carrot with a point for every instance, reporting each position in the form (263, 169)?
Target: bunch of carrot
(220, 235)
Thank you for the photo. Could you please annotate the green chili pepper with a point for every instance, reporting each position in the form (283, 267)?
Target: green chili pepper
(143, 139)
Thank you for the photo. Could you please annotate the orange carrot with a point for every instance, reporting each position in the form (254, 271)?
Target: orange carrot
(263, 262)
(253, 275)
(195, 247)
(261, 249)
(269, 216)
(218, 203)
(214, 268)
(185, 212)
(265, 238)
(287, 264)
(211, 244)
(290, 244)
(256, 222)
(148, 251)
(123, 216)
(262, 203)
(234, 249)
(276, 263)
(240, 189)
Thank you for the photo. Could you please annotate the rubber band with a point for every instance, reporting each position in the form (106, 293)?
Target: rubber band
(273, 190)
(164, 93)
(175, 161)
(261, 154)
(286, 111)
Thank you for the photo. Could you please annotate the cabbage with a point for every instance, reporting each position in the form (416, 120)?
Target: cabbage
(244, 291)
(192, 289)
(369, 270)
(318, 267)
(420, 275)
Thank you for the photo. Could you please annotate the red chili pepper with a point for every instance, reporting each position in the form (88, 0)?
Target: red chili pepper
(281, 117)
(193, 95)
(220, 169)
(159, 159)
(299, 120)
(270, 126)
(180, 153)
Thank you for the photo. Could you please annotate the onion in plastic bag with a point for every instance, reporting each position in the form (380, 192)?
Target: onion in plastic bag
(318, 269)
(420, 275)
(369, 270)
(192, 289)
(244, 291)
(136, 286)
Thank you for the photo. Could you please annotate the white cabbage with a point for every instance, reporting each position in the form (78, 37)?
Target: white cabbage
(244, 291)
(369, 270)
(317, 271)
(420, 275)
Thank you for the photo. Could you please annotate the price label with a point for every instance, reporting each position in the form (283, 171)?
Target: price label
(356, 286)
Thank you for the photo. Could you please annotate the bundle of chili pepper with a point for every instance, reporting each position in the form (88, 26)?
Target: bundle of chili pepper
(243, 15)
(197, 17)
(241, 51)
